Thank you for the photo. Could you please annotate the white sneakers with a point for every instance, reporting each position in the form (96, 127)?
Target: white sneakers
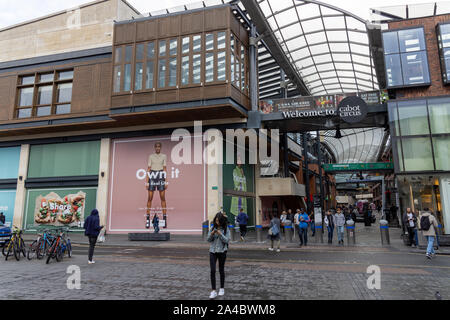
(91, 262)
(278, 250)
(214, 293)
(270, 249)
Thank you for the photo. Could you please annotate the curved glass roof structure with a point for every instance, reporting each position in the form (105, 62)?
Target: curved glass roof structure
(329, 47)
(356, 145)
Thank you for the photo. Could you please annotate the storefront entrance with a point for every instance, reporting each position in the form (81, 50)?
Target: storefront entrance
(422, 192)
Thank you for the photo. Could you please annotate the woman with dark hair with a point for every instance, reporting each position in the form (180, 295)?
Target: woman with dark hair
(274, 232)
(219, 237)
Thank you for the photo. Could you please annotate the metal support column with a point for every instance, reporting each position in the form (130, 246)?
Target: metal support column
(285, 155)
(283, 85)
(253, 56)
(305, 156)
(319, 157)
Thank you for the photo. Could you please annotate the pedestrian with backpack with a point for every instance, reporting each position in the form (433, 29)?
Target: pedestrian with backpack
(274, 232)
(428, 224)
(92, 229)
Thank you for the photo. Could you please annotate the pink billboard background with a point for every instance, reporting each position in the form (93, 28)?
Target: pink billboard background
(185, 195)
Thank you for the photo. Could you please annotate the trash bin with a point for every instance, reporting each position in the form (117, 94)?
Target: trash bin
(384, 230)
(288, 231)
(351, 232)
(205, 229)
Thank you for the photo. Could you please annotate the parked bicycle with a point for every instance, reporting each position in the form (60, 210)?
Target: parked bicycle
(39, 247)
(15, 245)
(60, 245)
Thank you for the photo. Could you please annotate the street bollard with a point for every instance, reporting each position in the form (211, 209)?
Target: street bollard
(258, 233)
(288, 230)
(351, 232)
(205, 229)
(384, 229)
(231, 226)
(319, 233)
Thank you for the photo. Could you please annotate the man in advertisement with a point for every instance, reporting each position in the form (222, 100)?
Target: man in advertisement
(240, 184)
(157, 170)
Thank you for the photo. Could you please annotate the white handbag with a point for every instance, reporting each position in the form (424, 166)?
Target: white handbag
(101, 236)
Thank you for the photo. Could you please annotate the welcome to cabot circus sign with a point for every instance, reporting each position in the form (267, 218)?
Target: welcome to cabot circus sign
(351, 108)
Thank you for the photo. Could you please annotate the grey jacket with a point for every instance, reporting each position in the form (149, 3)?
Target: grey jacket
(219, 244)
(433, 224)
(339, 220)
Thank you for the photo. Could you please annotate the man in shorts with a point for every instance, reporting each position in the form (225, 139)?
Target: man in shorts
(157, 181)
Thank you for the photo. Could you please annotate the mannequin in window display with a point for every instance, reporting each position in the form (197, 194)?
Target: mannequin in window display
(240, 184)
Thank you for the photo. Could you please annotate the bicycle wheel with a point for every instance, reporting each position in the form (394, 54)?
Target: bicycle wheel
(32, 250)
(9, 249)
(50, 253)
(59, 253)
(16, 249)
(23, 247)
(69, 248)
(40, 252)
(5, 248)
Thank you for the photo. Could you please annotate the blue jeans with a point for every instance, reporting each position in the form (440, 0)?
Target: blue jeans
(416, 237)
(330, 233)
(313, 228)
(303, 234)
(430, 248)
(340, 233)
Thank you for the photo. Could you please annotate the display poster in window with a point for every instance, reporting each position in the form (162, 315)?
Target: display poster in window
(60, 210)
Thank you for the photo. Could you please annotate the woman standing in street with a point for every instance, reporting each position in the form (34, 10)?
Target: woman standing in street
(219, 237)
(329, 222)
(274, 232)
(92, 228)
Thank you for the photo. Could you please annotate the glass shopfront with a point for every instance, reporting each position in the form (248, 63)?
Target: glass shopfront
(424, 123)
(425, 192)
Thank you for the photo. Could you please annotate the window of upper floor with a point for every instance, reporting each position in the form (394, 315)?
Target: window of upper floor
(44, 94)
(405, 55)
(443, 36)
(185, 61)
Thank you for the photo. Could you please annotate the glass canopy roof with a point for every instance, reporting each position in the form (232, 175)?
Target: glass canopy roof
(328, 46)
(356, 145)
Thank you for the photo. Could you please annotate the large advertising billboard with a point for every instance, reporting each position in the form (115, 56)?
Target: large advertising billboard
(145, 181)
(61, 207)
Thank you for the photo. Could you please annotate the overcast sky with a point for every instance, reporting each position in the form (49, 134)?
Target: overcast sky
(13, 12)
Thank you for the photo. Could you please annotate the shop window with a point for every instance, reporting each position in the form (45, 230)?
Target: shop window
(441, 147)
(439, 110)
(42, 94)
(443, 36)
(406, 59)
(413, 118)
(239, 65)
(417, 159)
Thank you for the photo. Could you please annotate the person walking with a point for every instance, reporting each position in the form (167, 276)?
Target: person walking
(339, 222)
(219, 237)
(242, 220)
(274, 232)
(155, 222)
(303, 227)
(329, 222)
(2, 218)
(283, 219)
(428, 224)
(312, 224)
(92, 228)
(410, 222)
